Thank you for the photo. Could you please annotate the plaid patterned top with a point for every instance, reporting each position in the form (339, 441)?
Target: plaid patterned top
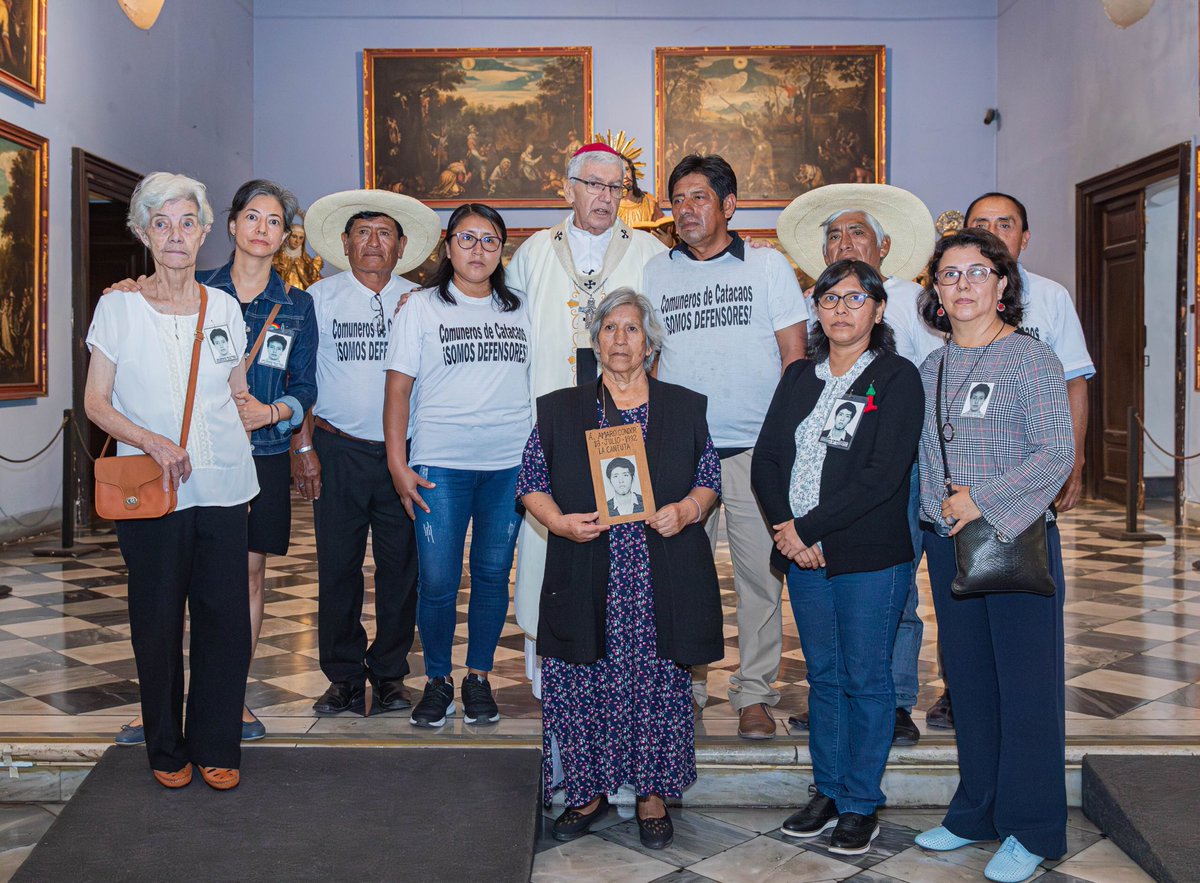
(1012, 442)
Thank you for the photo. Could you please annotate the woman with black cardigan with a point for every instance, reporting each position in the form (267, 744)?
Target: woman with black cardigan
(831, 472)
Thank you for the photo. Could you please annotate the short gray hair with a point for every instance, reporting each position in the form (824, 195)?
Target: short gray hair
(157, 189)
(875, 226)
(575, 163)
(650, 324)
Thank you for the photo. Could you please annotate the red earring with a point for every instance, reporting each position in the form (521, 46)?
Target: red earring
(940, 311)
(1000, 306)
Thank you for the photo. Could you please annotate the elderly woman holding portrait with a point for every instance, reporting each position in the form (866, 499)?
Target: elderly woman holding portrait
(626, 608)
(836, 493)
(195, 556)
(997, 420)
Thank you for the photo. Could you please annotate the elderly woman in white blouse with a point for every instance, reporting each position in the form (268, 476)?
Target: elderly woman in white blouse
(141, 344)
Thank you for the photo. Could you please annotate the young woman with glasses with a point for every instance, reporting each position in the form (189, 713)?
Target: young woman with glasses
(458, 388)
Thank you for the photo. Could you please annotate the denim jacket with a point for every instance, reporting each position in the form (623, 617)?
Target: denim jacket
(295, 386)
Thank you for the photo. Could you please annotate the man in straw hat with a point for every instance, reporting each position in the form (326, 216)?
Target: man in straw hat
(565, 272)
(734, 318)
(892, 230)
(341, 465)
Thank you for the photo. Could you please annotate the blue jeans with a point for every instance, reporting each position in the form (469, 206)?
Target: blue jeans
(907, 651)
(847, 627)
(486, 499)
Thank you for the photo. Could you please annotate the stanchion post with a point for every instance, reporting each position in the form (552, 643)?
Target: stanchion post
(1133, 474)
(67, 547)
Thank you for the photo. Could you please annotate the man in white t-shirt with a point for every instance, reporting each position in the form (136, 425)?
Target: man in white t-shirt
(341, 465)
(892, 230)
(734, 318)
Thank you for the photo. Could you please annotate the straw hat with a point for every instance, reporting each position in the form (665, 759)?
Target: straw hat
(327, 217)
(904, 218)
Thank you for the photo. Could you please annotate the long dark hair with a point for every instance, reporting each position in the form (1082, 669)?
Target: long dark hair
(883, 340)
(634, 190)
(501, 293)
(992, 249)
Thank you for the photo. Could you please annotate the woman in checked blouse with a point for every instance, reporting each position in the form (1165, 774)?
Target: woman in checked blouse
(1003, 652)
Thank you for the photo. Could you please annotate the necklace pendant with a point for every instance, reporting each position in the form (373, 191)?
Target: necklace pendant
(948, 431)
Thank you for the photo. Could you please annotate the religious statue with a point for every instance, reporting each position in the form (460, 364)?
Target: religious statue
(293, 263)
(638, 209)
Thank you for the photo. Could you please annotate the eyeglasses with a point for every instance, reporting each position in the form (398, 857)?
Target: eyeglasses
(853, 300)
(466, 241)
(380, 318)
(976, 275)
(616, 191)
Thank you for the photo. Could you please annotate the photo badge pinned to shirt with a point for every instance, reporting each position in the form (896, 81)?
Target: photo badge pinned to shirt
(276, 348)
(220, 344)
(841, 424)
(979, 396)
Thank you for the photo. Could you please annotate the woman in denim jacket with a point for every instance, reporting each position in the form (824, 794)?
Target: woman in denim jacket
(282, 379)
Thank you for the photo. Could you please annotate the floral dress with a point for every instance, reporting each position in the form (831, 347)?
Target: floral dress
(628, 716)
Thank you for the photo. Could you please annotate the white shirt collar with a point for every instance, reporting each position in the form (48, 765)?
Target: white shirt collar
(588, 249)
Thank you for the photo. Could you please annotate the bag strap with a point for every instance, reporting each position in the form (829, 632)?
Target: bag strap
(940, 434)
(258, 341)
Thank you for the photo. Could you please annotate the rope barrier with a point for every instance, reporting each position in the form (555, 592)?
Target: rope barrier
(45, 448)
(1182, 458)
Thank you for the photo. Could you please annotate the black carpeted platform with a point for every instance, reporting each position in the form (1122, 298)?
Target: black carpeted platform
(1148, 806)
(327, 814)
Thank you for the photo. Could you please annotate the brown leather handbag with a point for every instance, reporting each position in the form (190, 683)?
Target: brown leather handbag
(132, 486)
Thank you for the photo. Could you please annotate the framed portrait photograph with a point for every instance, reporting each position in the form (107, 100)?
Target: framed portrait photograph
(787, 118)
(620, 474)
(495, 125)
(23, 47)
(24, 237)
(516, 235)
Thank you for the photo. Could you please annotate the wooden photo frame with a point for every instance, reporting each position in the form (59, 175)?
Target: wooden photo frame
(787, 118)
(24, 239)
(23, 47)
(447, 126)
(617, 458)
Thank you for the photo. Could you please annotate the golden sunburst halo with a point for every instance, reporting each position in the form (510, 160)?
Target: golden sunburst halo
(624, 146)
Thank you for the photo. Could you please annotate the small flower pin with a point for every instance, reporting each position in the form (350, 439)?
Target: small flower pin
(870, 400)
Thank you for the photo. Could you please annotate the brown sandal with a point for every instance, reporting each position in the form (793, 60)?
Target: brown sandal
(178, 779)
(219, 777)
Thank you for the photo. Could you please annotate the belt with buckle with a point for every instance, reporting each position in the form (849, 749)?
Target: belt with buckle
(322, 423)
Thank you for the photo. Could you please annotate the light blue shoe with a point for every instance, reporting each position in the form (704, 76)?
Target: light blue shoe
(940, 839)
(130, 735)
(1012, 863)
(253, 730)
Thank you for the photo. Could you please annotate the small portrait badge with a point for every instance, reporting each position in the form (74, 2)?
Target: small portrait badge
(842, 422)
(220, 344)
(276, 349)
(979, 396)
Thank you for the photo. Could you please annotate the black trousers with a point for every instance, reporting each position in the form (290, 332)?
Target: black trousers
(357, 495)
(194, 557)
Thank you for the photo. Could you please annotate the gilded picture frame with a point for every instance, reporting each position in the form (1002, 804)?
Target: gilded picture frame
(787, 118)
(448, 126)
(23, 47)
(24, 241)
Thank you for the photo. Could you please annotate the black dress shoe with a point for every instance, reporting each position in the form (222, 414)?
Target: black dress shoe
(820, 813)
(854, 833)
(799, 720)
(573, 824)
(656, 833)
(342, 696)
(389, 695)
(940, 714)
(906, 731)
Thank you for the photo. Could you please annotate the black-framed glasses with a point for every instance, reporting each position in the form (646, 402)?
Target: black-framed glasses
(616, 191)
(976, 274)
(852, 299)
(466, 241)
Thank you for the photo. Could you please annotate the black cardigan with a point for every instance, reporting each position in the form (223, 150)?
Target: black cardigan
(861, 520)
(687, 601)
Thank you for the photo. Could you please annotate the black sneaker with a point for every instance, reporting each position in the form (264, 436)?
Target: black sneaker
(478, 705)
(820, 814)
(854, 833)
(436, 703)
(906, 732)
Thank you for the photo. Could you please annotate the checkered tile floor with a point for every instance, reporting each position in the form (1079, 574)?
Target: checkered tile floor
(66, 664)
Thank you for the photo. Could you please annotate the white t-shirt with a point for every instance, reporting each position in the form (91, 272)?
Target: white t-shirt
(720, 317)
(470, 405)
(353, 323)
(1050, 316)
(153, 355)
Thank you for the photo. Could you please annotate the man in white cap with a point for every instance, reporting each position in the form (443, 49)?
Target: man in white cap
(892, 230)
(565, 271)
(341, 464)
(734, 318)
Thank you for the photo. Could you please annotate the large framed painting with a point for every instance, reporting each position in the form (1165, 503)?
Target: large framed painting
(23, 47)
(769, 235)
(450, 125)
(24, 234)
(787, 118)
(516, 235)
